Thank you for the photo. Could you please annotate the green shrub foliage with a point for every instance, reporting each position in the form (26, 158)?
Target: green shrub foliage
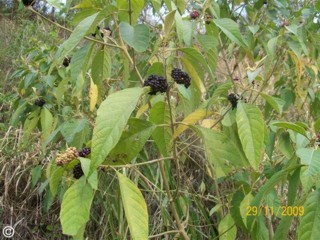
(226, 143)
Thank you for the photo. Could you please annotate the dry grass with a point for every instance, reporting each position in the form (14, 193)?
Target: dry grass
(21, 205)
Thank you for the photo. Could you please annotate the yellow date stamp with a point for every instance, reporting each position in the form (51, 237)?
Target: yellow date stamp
(275, 211)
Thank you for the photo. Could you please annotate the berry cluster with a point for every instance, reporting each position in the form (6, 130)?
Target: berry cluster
(28, 2)
(66, 157)
(77, 171)
(157, 84)
(233, 99)
(180, 77)
(84, 152)
(39, 102)
(194, 14)
(66, 61)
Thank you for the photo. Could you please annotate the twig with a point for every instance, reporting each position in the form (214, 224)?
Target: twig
(137, 164)
(164, 233)
(174, 146)
(69, 30)
(172, 204)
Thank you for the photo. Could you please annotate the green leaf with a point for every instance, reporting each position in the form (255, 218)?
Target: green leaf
(208, 42)
(272, 46)
(71, 128)
(285, 145)
(188, 29)
(266, 188)
(310, 221)
(17, 115)
(231, 29)
(253, 74)
(295, 46)
(135, 208)
(181, 5)
(93, 178)
(311, 158)
(214, 8)
(136, 8)
(55, 179)
(75, 207)
(189, 97)
(80, 234)
(221, 90)
(292, 126)
(36, 174)
(76, 36)
(271, 144)
(156, 4)
(159, 114)
(283, 227)
(276, 103)
(197, 60)
(254, 29)
(261, 231)
(101, 66)
(221, 151)
(244, 205)
(235, 209)
(194, 74)
(29, 124)
(29, 79)
(79, 61)
(55, 3)
(251, 132)
(156, 68)
(85, 4)
(168, 22)
(131, 141)
(285, 223)
(227, 229)
(46, 123)
(137, 37)
(184, 29)
(112, 117)
(79, 16)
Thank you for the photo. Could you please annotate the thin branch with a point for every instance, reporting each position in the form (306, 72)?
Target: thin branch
(69, 30)
(164, 233)
(172, 204)
(137, 164)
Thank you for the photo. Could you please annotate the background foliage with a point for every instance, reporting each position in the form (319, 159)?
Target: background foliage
(233, 156)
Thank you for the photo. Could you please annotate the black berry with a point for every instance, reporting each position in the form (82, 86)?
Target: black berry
(66, 61)
(77, 171)
(180, 77)
(194, 14)
(28, 2)
(84, 152)
(39, 102)
(157, 84)
(233, 99)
